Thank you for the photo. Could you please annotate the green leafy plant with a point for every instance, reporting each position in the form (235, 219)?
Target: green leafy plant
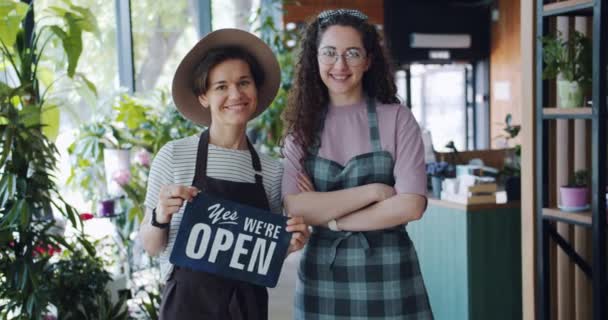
(28, 192)
(78, 282)
(571, 58)
(150, 304)
(579, 179)
(269, 127)
(512, 166)
(24, 53)
(142, 125)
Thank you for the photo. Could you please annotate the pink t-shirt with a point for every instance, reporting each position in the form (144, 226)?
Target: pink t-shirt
(346, 135)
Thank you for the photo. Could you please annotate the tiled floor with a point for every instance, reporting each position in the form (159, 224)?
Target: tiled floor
(281, 297)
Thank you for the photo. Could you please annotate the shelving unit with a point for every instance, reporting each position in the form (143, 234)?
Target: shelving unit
(575, 113)
(568, 8)
(595, 219)
(578, 218)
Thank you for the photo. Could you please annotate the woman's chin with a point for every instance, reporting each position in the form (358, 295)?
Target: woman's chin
(236, 120)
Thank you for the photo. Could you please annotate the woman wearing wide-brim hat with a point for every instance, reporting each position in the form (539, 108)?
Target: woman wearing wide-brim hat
(228, 78)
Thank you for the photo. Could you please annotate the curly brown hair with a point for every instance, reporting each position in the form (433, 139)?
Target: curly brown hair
(309, 98)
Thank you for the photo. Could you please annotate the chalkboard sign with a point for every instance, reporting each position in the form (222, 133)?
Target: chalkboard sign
(231, 240)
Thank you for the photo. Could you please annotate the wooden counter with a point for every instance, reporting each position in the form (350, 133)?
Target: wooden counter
(472, 207)
(471, 263)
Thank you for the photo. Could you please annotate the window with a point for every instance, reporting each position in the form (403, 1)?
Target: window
(231, 14)
(163, 32)
(438, 103)
(98, 63)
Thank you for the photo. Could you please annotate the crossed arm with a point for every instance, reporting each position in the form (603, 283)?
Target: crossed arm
(368, 207)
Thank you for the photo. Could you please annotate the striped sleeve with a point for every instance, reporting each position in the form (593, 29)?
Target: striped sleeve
(161, 173)
(273, 172)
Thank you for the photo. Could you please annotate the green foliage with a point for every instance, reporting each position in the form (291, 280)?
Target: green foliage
(11, 15)
(151, 122)
(150, 305)
(24, 56)
(512, 165)
(571, 58)
(76, 20)
(580, 179)
(87, 154)
(134, 124)
(511, 130)
(29, 196)
(78, 283)
(141, 125)
(269, 126)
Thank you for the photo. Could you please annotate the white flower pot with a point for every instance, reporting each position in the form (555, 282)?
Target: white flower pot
(569, 94)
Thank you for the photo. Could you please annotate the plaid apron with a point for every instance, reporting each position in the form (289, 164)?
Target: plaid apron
(359, 275)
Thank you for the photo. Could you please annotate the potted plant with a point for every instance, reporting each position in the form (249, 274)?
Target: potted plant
(575, 195)
(79, 288)
(568, 61)
(141, 123)
(512, 162)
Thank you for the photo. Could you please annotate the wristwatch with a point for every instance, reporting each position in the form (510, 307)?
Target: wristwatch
(333, 225)
(156, 223)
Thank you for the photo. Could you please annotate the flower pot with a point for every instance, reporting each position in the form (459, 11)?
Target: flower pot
(574, 197)
(570, 94)
(436, 183)
(115, 160)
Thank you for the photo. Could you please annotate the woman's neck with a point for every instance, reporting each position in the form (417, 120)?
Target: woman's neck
(346, 99)
(228, 136)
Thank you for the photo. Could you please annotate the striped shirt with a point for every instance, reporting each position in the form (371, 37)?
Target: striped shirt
(175, 164)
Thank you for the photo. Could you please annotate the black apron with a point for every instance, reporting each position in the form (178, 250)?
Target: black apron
(193, 294)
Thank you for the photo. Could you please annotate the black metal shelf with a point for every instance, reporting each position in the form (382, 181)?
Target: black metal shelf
(595, 218)
(569, 8)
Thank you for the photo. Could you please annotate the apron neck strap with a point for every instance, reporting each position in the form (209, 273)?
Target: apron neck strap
(200, 172)
(372, 121)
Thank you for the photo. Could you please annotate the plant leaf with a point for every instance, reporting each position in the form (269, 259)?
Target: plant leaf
(8, 188)
(50, 120)
(11, 15)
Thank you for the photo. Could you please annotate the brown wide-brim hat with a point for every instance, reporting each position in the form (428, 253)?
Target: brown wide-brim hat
(183, 82)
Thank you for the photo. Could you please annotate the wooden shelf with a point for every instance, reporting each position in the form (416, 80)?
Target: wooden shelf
(569, 113)
(579, 218)
(570, 7)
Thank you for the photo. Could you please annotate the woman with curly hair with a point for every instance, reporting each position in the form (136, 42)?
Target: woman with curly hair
(354, 169)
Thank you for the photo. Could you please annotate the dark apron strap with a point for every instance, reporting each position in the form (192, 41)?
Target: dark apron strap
(372, 121)
(200, 171)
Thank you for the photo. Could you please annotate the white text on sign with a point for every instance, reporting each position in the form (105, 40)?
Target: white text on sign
(223, 240)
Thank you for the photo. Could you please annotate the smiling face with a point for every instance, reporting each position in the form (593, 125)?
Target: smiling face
(343, 77)
(231, 93)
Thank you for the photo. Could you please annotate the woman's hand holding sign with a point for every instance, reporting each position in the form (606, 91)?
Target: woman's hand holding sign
(170, 200)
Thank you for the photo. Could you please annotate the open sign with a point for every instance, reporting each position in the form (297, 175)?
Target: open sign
(231, 240)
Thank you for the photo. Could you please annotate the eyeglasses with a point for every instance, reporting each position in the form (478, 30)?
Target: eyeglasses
(353, 57)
